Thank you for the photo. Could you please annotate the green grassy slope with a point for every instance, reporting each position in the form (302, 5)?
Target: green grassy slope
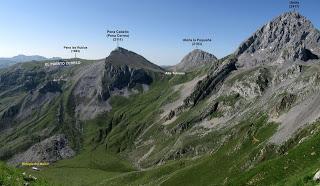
(98, 159)
(87, 168)
(14, 177)
(43, 121)
(211, 169)
(247, 164)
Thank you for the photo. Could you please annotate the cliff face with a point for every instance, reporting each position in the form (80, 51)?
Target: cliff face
(121, 77)
(125, 70)
(289, 37)
(212, 82)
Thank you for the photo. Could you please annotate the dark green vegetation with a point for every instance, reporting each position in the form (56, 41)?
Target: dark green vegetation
(12, 177)
(20, 92)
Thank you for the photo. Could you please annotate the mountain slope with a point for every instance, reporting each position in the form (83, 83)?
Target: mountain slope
(224, 133)
(54, 101)
(228, 117)
(122, 73)
(249, 119)
(194, 60)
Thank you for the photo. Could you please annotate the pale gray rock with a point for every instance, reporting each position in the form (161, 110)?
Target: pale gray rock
(194, 60)
(289, 37)
(316, 177)
(49, 150)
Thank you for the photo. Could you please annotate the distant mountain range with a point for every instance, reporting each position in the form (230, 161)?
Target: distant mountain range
(5, 62)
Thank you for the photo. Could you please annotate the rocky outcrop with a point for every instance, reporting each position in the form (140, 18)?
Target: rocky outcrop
(283, 75)
(284, 104)
(194, 60)
(51, 86)
(86, 95)
(28, 104)
(49, 150)
(296, 53)
(316, 176)
(289, 37)
(126, 69)
(121, 56)
(8, 116)
(120, 77)
(252, 85)
(122, 73)
(212, 82)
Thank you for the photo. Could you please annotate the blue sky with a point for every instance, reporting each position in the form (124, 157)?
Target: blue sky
(156, 27)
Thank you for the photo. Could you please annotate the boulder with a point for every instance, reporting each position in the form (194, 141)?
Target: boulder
(316, 177)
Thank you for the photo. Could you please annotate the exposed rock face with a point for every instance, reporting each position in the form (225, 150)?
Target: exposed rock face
(173, 108)
(122, 73)
(120, 77)
(291, 72)
(16, 78)
(8, 116)
(51, 86)
(88, 92)
(288, 37)
(126, 69)
(34, 89)
(49, 150)
(284, 104)
(252, 84)
(35, 102)
(316, 177)
(23, 109)
(271, 74)
(121, 56)
(194, 60)
(212, 82)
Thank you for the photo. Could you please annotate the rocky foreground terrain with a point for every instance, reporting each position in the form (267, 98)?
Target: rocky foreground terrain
(250, 118)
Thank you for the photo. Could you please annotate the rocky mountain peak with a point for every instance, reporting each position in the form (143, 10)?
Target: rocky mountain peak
(121, 56)
(125, 70)
(121, 50)
(194, 59)
(122, 73)
(289, 37)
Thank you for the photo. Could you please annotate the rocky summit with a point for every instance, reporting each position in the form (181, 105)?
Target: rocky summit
(194, 60)
(121, 56)
(289, 37)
